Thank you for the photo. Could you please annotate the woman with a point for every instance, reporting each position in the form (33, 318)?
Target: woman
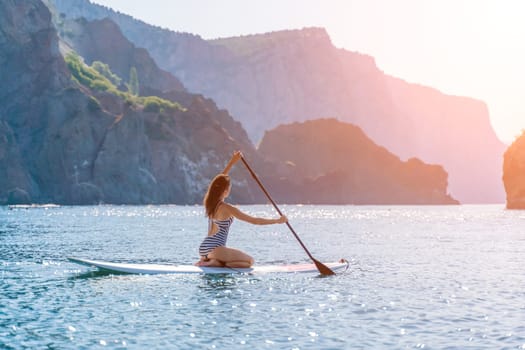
(213, 250)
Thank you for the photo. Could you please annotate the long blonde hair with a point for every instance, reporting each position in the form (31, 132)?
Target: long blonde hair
(218, 185)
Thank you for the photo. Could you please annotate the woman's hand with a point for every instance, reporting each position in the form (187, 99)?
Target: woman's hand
(234, 159)
(237, 155)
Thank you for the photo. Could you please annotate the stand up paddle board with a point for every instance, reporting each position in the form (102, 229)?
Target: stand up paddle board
(150, 269)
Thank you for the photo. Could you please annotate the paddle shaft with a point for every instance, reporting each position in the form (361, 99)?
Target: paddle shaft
(322, 268)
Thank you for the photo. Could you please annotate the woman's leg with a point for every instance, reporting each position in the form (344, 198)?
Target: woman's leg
(231, 257)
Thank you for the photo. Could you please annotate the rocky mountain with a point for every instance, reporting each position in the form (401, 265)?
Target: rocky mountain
(455, 132)
(102, 40)
(94, 40)
(71, 133)
(63, 140)
(297, 75)
(334, 163)
(514, 174)
(87, 38)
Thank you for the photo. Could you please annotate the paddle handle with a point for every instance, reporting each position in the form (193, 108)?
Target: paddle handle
(322, 268)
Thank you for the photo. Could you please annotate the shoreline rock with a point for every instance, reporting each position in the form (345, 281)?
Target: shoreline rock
(514, 173)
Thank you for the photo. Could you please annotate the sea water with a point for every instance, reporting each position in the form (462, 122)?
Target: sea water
(429, 277)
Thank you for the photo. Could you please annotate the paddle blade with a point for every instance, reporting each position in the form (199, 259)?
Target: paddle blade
(323, 269)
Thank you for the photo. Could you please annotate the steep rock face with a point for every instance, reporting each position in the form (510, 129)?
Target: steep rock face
(316, 79)
(186, 52)
(94, 40)
(340, 164)
(13, 175)
(460, 127)
(102, 40)
(32, 73)
(265, 80)
(64, 143)
(514, 174)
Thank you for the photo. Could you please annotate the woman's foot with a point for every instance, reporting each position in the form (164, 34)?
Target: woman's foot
(209, 263)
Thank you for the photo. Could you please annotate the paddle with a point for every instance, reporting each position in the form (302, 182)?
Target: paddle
(323, 269)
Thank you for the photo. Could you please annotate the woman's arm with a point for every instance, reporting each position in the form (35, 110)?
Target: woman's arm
(234, 159)
(251, 219)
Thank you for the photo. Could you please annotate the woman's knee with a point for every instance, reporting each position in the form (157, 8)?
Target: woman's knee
(248, 259)
(245, 257)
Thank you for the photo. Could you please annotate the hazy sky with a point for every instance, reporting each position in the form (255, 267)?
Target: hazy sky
(471, 48)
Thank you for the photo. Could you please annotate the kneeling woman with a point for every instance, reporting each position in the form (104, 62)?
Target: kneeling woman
(213, 250)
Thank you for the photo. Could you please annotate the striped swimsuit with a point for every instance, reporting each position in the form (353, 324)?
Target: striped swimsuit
(218, 239)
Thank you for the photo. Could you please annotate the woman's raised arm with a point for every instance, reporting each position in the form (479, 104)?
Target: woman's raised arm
(234, 159)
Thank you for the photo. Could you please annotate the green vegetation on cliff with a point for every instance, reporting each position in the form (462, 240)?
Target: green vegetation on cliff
(89, 76)
(99, 77)
(103, 69)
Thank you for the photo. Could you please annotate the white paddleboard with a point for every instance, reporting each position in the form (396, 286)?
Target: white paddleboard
(150, 269)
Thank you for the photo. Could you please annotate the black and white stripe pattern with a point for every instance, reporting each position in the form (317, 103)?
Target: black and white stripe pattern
(218, 239)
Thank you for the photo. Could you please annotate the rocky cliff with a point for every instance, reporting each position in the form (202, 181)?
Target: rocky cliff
(265, 80)
(69, 135)
(455, 132)
(88, 38)
(32, 74)
(334, 162)
(102, 40)
(514, 174)
(63, 141)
